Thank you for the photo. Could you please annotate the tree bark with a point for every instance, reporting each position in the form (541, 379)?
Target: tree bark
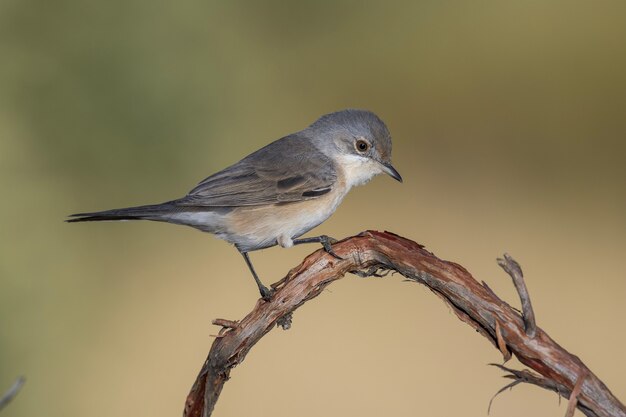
(373, 253)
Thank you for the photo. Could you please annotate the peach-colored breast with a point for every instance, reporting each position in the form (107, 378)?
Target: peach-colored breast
(257, 227)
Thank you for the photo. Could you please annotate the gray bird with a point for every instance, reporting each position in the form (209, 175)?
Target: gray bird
(278, 193)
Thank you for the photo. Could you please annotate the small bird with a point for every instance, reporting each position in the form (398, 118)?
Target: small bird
(280, 192)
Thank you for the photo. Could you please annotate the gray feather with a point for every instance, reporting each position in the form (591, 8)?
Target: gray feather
(148, 212)
(288, 170)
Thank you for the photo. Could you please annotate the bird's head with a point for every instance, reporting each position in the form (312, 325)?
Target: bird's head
(358, 141)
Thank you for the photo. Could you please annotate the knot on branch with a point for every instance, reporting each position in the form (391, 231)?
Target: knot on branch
(285, 321)
(377, 271)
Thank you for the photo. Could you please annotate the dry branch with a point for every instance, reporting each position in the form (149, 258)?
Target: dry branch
(515, 271)
(372, 252)
(11, 392)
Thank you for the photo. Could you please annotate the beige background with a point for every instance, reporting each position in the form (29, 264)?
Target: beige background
(509, 127)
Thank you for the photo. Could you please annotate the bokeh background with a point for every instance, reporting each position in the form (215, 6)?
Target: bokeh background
(509, 126)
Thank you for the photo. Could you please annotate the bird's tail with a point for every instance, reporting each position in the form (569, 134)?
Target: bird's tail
(149, 212)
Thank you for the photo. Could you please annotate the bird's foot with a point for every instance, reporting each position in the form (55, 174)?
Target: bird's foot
(327, 242)
(266, 293)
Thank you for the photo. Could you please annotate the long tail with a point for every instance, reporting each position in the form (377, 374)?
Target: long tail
(149, 212)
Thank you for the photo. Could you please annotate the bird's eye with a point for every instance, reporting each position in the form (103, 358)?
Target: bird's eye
(362, 145)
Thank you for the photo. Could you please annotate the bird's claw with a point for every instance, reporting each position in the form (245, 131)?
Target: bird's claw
(266, 293)
(327, 242)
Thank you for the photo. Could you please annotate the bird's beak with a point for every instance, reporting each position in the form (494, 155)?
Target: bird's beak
(391, 171)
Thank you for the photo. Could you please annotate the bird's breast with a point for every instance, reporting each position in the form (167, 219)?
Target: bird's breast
(258, 227)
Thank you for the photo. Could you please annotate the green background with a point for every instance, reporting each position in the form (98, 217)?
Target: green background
(509, 126)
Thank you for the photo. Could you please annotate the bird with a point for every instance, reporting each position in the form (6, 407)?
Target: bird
(280, 192)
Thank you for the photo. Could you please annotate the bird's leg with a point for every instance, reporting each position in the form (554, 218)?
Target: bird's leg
(326, 242)
(266, 293)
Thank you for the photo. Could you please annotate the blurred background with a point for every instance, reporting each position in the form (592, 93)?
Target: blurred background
(509, 126)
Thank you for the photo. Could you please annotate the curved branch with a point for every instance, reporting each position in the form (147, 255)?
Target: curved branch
(473, 303)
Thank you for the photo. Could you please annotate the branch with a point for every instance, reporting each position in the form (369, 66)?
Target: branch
(373, 252)
(515, 271)
(11, 392)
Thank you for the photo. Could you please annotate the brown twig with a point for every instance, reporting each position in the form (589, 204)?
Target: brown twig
(472, 302)
(530, 378)
(11, 392)
(515, 271)
(573, 398)
(506, 355)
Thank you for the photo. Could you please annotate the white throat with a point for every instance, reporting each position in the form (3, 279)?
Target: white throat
(357, 170)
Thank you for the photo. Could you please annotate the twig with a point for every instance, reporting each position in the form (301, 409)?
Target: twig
(515, 271)
(573, 398)
(474, 304)
(501, 390)
(227, 324)
(506, 355)
(529, 377)
(11, 392)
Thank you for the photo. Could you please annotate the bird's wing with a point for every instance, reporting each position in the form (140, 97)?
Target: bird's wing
(288, 170)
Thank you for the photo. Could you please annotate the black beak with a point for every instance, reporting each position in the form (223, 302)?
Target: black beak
(391, 171)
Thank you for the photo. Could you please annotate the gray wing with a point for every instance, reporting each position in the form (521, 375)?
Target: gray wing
(287, 170)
